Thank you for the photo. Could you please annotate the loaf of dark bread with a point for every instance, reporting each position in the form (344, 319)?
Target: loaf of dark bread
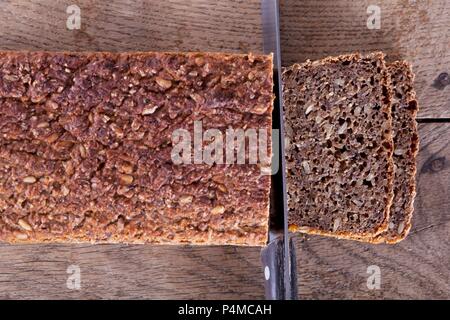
(406, 146)
(85, 147)
(339, 146)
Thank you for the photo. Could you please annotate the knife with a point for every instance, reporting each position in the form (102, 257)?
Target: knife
(278, 257)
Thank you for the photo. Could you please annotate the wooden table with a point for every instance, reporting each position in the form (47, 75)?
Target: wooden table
(417, 268)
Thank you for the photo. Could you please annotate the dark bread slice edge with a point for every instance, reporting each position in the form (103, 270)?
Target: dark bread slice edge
(405, 104)
(365, 236)
(404, 111)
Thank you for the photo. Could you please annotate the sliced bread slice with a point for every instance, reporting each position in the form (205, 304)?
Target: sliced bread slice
(339, 146)
(406, 145)
(404, 109)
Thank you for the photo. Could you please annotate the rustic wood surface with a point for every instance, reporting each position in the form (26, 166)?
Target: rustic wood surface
(130, 272)
(128, 25)
(328, 268)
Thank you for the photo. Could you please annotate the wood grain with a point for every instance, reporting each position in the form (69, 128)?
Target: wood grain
(125, 25)
(415, 30)
(131, 272)
(416, 268)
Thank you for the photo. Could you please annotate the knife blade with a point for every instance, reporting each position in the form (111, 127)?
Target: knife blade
(278, 257)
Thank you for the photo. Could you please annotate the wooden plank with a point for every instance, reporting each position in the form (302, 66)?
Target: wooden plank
(130, 272)
(125, 25)
(418, 31)
(416, 268)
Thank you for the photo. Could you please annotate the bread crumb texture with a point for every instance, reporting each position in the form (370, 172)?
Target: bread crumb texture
(339, 146)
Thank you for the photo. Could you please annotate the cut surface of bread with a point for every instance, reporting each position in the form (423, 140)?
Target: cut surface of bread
(339, 146)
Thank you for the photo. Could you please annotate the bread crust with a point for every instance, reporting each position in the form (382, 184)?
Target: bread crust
(85, 147)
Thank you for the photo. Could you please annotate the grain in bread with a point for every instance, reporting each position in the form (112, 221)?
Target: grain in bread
(85, 147)
(339, 146)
